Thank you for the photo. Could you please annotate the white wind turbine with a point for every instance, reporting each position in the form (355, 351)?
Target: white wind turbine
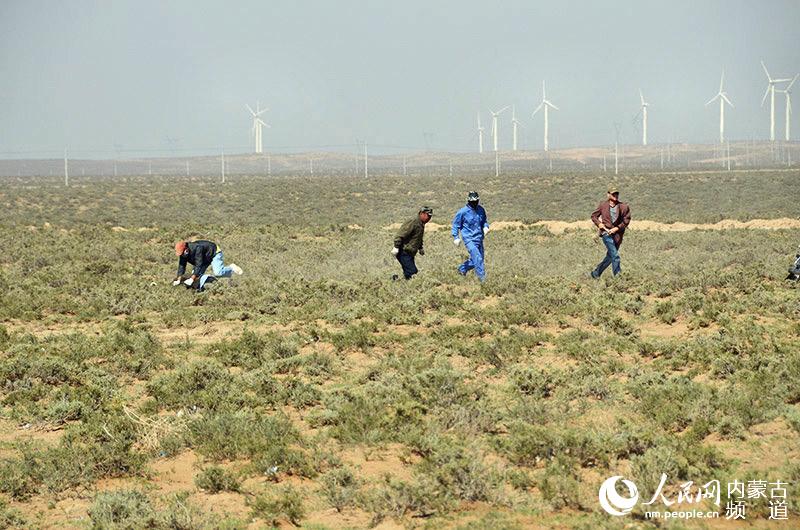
(515, 123)
(257, 124)
(545, 104)
(723, 98)
(644, 117)
(480, 134)
(771, 92)
(494, 124)
(788, 93)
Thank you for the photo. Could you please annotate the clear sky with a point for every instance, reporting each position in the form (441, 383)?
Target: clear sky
(92, 75)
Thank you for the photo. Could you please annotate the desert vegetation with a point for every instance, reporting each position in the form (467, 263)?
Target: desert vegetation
(315, 392)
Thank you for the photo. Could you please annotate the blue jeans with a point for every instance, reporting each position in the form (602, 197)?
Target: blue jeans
(407, 262)
(612, 257)
(219, 268)
(475, 260)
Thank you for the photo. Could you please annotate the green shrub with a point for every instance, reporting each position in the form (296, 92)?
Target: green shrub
(339, 487)
(281, 503)
(215, 479)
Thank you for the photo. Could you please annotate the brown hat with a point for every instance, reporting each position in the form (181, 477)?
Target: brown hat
(180, 247)
(426, 209)
(612, 189)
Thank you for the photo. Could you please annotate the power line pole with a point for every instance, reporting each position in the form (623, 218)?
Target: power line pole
(311, 166)
(269, 165)
(366, 161)
(66, 168)
(604, 162)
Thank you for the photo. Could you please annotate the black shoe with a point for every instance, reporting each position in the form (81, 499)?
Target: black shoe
(395, 277)
(593, 276)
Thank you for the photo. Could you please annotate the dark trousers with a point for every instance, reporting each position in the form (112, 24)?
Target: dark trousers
(407, 262)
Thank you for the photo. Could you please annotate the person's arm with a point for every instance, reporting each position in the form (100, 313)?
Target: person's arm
(597, 217)
(485, 221)
(204, 254)
(456, 224)
(626, 219)
(403, 234)
(181, 267)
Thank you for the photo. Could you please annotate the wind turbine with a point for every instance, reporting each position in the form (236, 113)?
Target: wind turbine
(644, 117)
(545, 104)
(480, 134)
(257, 124)
(494, 124)
(723, 98)
(788, 93)
(514, 122)
(771, 93)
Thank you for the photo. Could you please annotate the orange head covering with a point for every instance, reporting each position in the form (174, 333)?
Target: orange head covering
(180, 247)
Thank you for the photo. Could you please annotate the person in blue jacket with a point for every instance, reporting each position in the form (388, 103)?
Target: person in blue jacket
(472, 223)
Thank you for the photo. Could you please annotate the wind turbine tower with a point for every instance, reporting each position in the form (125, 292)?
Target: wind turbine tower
(644, 117)
(257, 124)
(723, 98)
(514, 124)
(480, 134)
(788, 93)
(545, 104)
(771, 93)
(494, 124)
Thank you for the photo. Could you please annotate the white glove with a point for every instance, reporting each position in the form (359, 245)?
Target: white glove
(485, 230)
(176, 283)
(188, 282)
(395, 251)
(456, 241)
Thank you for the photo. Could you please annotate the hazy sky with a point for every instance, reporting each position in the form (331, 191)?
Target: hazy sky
(90, 75)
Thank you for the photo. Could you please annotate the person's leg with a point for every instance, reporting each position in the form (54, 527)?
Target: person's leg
(219, 268)
(616, 266)
(475, 258)
(608, 241)
(407, 262)
(476, 255)
(467, 266)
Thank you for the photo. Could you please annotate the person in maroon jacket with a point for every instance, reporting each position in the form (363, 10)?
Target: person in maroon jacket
(612, 218)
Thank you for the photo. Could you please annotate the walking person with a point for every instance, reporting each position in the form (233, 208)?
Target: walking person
(409, 241)
(201, 254)
(611, 218)
(472, 224)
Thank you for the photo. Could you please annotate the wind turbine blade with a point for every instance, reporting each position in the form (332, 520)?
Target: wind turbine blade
(501, 110)
(551, 105)
(641, 97)
(537, 109)
(765, 95)
(544, 93)
(765, 70)
(710, 101)
(793, 80)
(251, 110)
(726, 99)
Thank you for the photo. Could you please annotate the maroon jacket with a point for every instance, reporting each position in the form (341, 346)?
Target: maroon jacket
(603, 215)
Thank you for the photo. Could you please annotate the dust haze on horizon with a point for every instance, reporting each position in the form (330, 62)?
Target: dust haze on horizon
(102, 77)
